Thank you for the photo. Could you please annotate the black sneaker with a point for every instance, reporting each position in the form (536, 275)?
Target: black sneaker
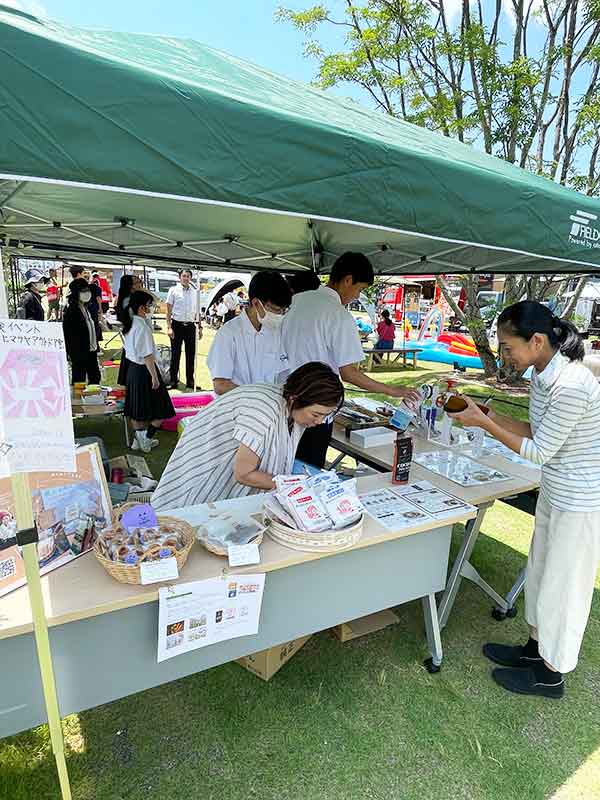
(527, 681)
(510, 656)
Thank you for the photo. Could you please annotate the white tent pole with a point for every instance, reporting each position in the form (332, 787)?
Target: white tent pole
(3, 300)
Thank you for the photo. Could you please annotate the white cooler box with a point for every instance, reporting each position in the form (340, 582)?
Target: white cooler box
(373, 437)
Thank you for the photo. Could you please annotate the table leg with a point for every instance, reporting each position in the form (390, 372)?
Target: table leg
(460, 568)
(506, 608)
(126, 431)
(432, 630)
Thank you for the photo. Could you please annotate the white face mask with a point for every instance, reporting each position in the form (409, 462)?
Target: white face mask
(270, 320)
(85, 297)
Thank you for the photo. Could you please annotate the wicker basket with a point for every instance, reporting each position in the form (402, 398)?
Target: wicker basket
(325, 542)
(130, 573)
(219, 551)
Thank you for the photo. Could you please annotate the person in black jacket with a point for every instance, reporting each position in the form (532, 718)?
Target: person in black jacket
(30, 305)
(80, 334)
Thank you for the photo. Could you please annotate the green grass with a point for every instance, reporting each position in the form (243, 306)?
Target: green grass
(354, 721)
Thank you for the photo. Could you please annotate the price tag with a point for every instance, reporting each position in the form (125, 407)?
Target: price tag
(165, 569)
(242, 554)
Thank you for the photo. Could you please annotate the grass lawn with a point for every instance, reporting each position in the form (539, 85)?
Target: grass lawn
(341, 721)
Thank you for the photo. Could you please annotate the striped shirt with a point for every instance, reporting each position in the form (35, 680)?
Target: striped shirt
(201, 467)
(564, 415)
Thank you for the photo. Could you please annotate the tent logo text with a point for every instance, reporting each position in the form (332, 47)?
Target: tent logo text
(583, 233)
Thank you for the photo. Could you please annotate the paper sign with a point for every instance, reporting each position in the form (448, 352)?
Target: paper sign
(141, 516)
(241, 554)
(201, 613)
(165, 569)
(36, 425)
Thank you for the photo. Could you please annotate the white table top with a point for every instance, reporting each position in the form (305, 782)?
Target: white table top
(83, 589)
(523, 478)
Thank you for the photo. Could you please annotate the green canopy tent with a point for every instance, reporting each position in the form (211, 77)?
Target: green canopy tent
(138, 149)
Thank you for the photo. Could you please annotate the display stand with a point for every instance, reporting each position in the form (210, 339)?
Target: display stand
(27, 539)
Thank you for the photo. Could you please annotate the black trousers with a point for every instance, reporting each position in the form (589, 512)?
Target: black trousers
(183, 332)
(85, 369)
(312, 447)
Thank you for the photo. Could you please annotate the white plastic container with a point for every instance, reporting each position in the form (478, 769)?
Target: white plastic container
(373, 437)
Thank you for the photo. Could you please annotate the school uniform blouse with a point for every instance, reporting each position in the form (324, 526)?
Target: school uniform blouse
(139, 341)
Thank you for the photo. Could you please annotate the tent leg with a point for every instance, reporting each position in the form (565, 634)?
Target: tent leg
(3, 300)
(25, 524)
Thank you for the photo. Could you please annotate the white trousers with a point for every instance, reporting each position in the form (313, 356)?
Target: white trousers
(561, 573)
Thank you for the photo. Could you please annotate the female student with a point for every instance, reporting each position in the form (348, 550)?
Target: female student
(127, 285)
(80, 334)
(562, 436)
(236, 445)
(147, 402)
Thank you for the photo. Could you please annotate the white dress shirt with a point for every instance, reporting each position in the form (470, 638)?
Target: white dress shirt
(139, 341)
(242, 354)
(319, 328)
(183, 302)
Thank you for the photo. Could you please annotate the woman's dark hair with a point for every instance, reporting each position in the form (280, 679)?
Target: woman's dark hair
(137, 300)
(306, 281)
(76, 287)
(76, 271)
(125, 289)
(528, 317)
(270, 287)
(386, 316)
(314, 383)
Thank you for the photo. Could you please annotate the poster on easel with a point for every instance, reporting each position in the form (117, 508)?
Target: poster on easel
(36, 425)
(70, 510)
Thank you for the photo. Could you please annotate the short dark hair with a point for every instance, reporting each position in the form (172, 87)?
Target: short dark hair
(314, 383)
(270, 287)
(76, 271)
(306, 281)
(185, 269)
(528, 317)
(355, 264)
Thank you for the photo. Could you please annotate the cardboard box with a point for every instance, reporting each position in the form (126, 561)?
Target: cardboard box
(369, 624)
(267, 662)
(373, 437)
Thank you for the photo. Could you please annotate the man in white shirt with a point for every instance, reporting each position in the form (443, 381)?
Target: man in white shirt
(319, 328)
(248, 349)
(182, 318)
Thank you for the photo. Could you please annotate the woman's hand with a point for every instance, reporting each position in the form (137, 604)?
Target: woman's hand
(472, 416)
(155, 381)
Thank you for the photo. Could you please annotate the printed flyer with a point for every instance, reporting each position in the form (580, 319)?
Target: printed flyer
(70, 509)
(36, 426)
(200, 613)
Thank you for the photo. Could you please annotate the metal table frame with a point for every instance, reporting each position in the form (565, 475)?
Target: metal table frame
(462, 567)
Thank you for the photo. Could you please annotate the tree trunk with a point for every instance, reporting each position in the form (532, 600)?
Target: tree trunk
(571, 305)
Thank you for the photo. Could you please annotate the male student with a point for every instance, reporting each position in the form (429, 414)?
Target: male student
(182, 318)
(319, 328)
(248, 349)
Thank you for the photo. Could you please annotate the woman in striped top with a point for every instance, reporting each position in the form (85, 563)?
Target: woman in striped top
(563, 436)
(235, 446)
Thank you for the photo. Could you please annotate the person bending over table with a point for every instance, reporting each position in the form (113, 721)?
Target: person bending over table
(248, 349)
(147, 402)
(562, 436)
(319, 328)
(236, 445)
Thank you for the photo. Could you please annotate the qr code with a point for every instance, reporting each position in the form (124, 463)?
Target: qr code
(8, 568)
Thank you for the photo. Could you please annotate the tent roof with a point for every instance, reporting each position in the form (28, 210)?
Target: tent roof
(150, 149)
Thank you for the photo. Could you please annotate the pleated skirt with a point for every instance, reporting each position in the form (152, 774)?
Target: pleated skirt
(142, 402)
